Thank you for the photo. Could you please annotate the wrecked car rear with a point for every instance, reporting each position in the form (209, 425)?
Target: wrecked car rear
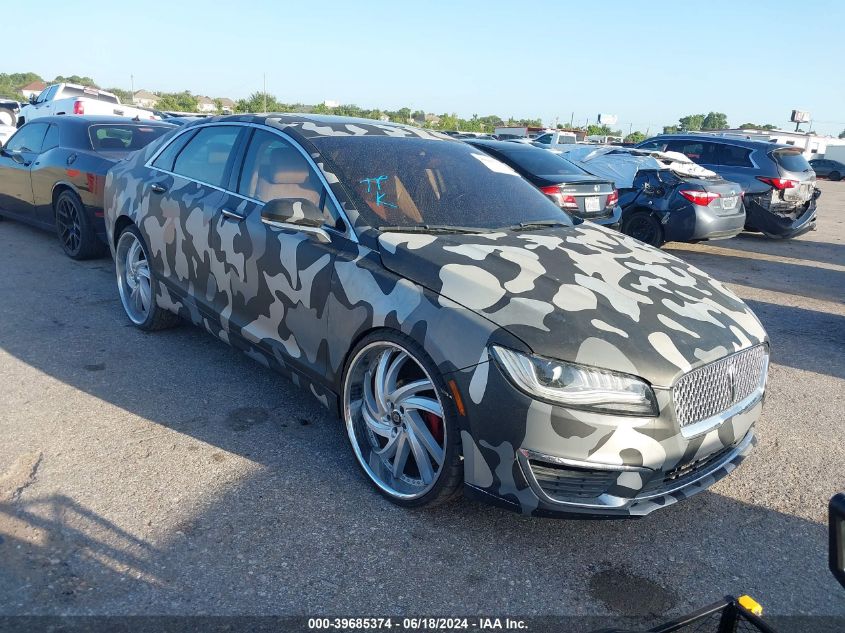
(665, 197)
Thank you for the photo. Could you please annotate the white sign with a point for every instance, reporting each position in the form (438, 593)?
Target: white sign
(799, 116)
(608, 119)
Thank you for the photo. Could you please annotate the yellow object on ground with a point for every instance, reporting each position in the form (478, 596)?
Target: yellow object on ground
(751, 604)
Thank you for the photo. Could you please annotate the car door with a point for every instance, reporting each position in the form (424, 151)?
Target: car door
(273, 283)
(15, 164)
(183, 193)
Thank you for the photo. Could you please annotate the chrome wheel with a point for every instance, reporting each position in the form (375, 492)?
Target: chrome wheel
(394, 417)
(68, 224)
(133, 278)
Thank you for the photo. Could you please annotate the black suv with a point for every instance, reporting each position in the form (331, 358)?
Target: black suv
(778, 182)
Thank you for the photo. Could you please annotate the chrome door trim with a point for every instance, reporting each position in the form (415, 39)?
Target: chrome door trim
(317, 232)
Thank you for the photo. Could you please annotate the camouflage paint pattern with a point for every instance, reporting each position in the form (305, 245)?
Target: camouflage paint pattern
(584, 294)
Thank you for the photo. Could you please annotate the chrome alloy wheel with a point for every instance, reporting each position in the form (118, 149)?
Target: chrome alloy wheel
(133, 278)
(394, 417)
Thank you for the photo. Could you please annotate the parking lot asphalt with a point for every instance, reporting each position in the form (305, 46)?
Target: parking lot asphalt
(165, 473)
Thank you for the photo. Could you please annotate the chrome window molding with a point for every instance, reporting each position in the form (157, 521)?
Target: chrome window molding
(349, 233)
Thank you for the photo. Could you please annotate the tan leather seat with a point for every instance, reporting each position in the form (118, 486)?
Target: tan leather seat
(285, 175)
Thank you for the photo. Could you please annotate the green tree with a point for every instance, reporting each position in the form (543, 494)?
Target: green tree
(756, 126)
(602, 130)
(635, 137)
(256, 101)
(715, 121)
(11, 84)
(124, 95)
(177, 102)
(842, 134)
(691, 122)
(76, 79)
(218, 103)
(670, 129)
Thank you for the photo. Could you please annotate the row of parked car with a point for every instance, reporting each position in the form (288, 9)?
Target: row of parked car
(443, 296)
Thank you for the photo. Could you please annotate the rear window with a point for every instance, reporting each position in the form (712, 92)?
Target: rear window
(791, 160)
(69, 91)
(124, 138)
(541, 162)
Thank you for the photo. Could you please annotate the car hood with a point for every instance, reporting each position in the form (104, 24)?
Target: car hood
(584, 294)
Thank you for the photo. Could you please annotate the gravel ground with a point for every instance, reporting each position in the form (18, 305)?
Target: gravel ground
(167, 474)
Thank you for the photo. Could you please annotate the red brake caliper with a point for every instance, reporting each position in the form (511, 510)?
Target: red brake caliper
(434, 424)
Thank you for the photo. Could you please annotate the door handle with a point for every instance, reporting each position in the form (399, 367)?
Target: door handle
(231, 215)
(158, 188)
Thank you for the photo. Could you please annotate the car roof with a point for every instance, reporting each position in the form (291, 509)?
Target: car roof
(503, 145)
(728, 140)
(83, 120)
(313, 126)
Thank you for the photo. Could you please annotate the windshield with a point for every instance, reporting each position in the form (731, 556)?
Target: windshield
(413, 181)
(540, 162)
(124, 137)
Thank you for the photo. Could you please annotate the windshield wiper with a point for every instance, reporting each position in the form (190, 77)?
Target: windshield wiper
(430, 228)
(539, 224)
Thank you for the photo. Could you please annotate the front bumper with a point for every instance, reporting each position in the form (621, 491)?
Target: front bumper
(544, 460)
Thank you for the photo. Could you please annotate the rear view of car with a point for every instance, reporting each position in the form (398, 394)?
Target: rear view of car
(778, 182)
(580, 194)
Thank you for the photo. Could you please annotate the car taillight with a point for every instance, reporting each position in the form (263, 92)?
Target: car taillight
(702, 198)
(612, 199)
(78, 107)
(564, 201)
(779, 183)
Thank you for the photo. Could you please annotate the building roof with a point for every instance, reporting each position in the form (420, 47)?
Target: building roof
(145, 94)
(35, 85)
(205, 100)
(226, 102)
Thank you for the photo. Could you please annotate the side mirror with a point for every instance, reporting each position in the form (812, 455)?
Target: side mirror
(295, 214)
(836, 522)
(33, 98)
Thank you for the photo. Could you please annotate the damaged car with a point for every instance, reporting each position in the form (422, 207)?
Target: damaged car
(467, 332)
(665, 197)
(778, 182)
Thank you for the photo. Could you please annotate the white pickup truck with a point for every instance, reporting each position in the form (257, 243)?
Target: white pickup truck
(75, 99)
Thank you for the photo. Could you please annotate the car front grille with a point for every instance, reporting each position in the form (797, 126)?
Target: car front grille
(713, 389)
(686, 472)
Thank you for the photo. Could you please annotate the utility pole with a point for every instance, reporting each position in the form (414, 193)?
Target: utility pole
(265, 93)
(571, 120)
(132, 84)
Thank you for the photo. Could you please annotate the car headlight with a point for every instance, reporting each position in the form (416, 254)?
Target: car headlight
(577, 386)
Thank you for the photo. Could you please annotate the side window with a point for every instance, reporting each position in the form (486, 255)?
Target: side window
(50, 93)
(51, 139)
(653, 146)
(206, 156)
(545, 139)
(28, 139)
(733, 156)
(273, 168)
(167, 157)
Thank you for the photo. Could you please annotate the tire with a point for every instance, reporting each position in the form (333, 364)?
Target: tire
(643, 226)
(380, 421)
(834, 175)
(74, 228)
(7, 117)
(136, 284)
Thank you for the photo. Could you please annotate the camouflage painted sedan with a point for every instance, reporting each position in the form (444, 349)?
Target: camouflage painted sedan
(467, 332)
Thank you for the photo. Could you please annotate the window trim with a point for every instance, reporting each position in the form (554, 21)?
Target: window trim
(349, 231)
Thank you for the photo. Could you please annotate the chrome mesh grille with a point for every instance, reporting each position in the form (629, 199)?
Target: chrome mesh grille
(710, 390)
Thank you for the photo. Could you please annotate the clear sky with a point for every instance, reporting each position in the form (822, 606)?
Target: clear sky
(648, 62)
